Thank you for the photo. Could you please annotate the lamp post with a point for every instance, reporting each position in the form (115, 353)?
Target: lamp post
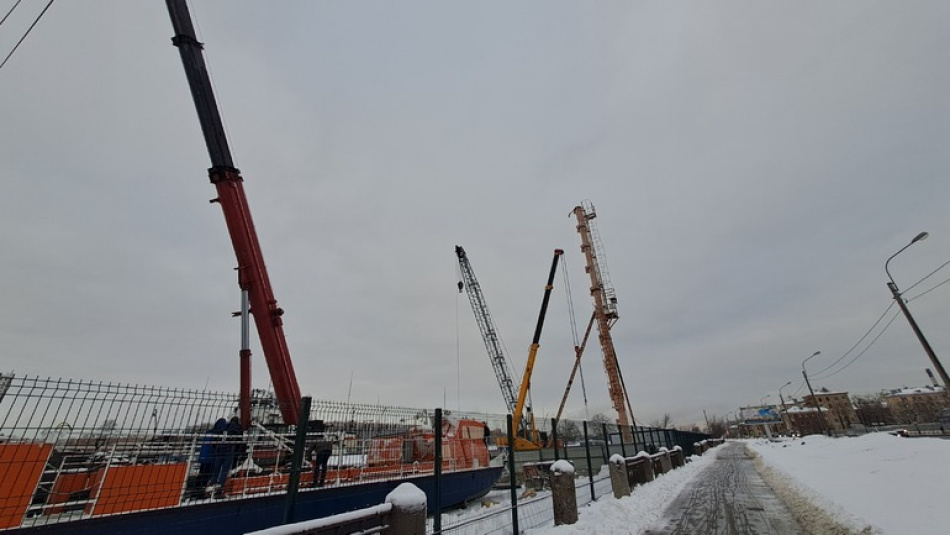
(781, 409)
(913, 324)
(821, 417)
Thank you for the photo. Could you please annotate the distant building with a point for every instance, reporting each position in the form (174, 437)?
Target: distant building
(840, 413)
(874, 414)
(805, 420)
(917, 405)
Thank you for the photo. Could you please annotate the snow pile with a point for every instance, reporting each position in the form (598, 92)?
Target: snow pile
(875, 483)
(562, 467)
(634, 513)
(407, 497)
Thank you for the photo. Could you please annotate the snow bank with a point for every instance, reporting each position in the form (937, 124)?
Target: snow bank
(877, 483)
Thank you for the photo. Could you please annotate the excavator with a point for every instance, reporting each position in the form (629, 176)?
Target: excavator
(527, 437)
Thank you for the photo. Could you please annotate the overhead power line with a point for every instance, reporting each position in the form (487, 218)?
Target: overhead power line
(9, 12)
(856, 357)
(817, 375)
(856, 344)
(925, 292)
(927, 276)
(27, 32)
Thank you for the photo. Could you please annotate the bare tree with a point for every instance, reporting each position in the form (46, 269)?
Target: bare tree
(666, 422)
(595, 427)
(717, 427)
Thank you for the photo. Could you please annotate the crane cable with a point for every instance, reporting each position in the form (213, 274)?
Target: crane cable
(27, 32)
(573, 320)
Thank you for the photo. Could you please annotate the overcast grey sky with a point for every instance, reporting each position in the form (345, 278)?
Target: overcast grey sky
(752, 164)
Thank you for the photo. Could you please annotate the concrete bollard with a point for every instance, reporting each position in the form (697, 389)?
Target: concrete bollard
(697, 448)
(640, 470)
(563, 493)
(666, 463)
(408, 516)
(678, 457)
(619, 481)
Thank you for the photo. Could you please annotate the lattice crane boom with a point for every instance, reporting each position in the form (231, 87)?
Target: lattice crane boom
(487, 328)
(605, 310)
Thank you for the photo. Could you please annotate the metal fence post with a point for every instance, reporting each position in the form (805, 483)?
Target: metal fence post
(623, 447)
(437, 520)
(299, 444)
(557, 456)
(590, 468)
(514, 477)
(606, 443)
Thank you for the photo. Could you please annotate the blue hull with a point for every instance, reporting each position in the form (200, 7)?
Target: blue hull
(240, 516)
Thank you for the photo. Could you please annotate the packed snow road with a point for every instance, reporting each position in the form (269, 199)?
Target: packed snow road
(727, 498)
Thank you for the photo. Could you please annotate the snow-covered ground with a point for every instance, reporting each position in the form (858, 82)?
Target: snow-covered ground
(874, 484)
(894, 485)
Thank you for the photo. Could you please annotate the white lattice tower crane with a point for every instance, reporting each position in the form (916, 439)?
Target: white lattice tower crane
(605, 312)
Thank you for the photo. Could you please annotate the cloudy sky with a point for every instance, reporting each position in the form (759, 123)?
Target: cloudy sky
(752, 165)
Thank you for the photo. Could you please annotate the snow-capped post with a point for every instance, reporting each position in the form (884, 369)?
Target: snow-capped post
(514, 476)
(642, 471)
(297, 462)
(666, 464)
(677, 456)
(437, 506)
(619, 481)
(408, 516)
(590, 468)
(563, 493)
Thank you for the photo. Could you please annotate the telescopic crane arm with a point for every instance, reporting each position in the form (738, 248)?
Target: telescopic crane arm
(252, 273)
(535, 344)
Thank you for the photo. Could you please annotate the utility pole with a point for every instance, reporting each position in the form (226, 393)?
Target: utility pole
(910, 319)
(821, 416)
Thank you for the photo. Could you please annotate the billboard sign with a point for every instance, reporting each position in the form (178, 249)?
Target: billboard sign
(767, 414)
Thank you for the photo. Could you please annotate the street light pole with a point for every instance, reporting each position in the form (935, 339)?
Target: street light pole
(910, 319)
(821, 417)
(781, 409)
(768, 431)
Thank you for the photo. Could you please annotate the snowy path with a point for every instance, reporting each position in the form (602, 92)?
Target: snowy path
(727, 498)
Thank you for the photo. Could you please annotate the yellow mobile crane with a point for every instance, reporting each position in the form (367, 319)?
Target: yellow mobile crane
(527, 436)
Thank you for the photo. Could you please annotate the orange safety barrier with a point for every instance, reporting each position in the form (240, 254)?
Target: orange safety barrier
(21, 466)
(139, 487)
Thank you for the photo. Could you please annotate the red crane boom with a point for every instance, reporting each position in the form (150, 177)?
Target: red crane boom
(252, 273)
